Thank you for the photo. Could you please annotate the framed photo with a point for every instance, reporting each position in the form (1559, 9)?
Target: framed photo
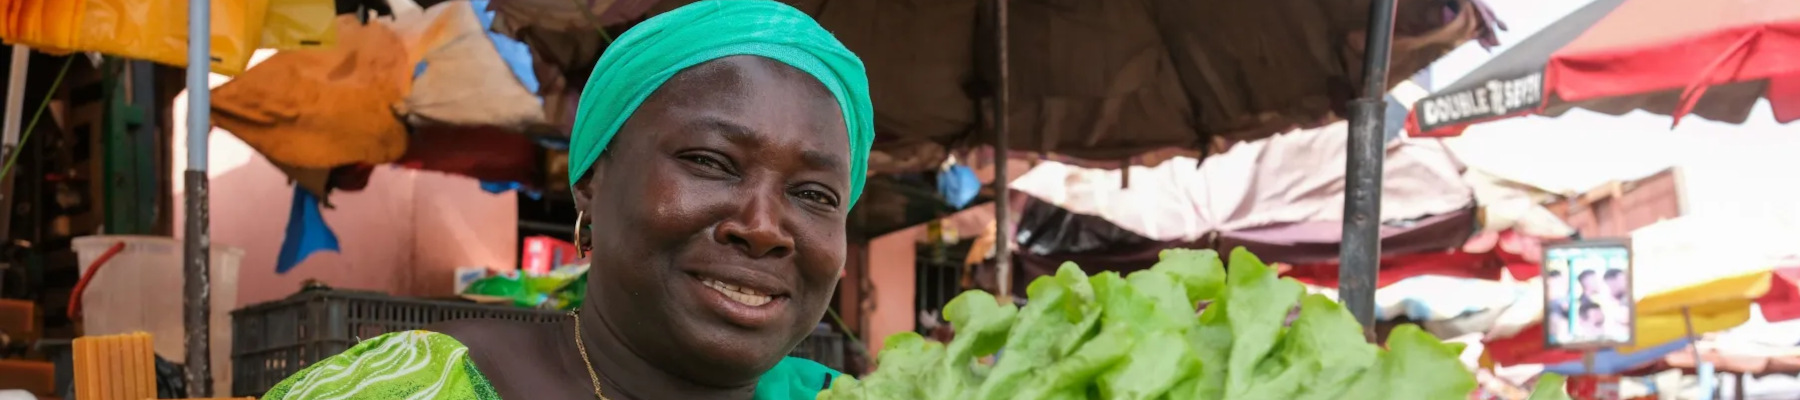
(1588, 302)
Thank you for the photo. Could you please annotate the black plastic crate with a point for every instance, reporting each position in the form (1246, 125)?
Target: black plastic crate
(273, 340)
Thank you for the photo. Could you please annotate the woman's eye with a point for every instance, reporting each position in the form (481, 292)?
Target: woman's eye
(818, 197)
(705, 161)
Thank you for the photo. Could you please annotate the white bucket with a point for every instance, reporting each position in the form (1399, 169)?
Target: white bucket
(140, 290)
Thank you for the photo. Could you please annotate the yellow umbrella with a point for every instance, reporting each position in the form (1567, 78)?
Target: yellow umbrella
(1713, 306)
(1713, 268)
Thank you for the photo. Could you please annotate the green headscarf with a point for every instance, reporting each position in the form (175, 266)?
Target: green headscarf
(643, 58)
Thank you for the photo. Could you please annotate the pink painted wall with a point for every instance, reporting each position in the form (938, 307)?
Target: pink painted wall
(892, 260)
(405, 234)
(891, 264)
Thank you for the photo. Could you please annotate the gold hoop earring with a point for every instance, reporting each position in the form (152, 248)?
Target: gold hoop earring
(581, 248)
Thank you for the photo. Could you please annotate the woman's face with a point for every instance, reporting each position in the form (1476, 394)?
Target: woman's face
(718, 215)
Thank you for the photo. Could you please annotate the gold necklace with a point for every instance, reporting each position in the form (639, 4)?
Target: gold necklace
(595, 377)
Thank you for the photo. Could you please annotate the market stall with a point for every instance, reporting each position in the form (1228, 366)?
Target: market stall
(1675, 300)
(402, 60)
(1713, 59)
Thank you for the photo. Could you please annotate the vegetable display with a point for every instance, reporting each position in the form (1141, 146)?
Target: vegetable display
(1138, 337)
(1549, 387)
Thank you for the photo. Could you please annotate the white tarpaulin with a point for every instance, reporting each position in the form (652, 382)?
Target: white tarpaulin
(1442, 298)
(1293, 177)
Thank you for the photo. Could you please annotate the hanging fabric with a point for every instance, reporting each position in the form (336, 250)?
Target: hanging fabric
(481, 152)
(323, 108)
(306, 233)
(465, 81)
(300, 24)
(516, 53)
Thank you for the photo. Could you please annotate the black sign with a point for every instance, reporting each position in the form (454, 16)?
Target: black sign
(1496, 98)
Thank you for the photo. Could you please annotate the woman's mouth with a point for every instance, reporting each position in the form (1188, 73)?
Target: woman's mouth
(739, 303)
(739, 294)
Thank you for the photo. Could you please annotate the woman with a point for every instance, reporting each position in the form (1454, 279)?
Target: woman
(718, 149)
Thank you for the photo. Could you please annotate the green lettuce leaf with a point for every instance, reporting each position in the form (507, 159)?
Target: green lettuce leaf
(1415, 366)
(1137, 337)
(905, 359)
(1549, 387)
(982, 326)
(1326, 347)
(1050, 327)
(1256, 302)
(1200, 271)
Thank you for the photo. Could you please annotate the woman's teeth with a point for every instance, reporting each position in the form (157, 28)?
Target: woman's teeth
(743, 295)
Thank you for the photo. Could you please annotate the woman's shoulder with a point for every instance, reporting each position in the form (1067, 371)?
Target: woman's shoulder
(795, 378)
(412, 364)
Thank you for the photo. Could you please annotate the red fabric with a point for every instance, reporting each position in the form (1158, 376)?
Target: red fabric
(1519, 253)
(1593, 387)
(1412, 126)
(1526, 348)
(351, 178)
(1482, 256)
(1650, 45)
(1397, 268)
(1521, 256)
(485, 153)
(1782, 303)
(1784, 97)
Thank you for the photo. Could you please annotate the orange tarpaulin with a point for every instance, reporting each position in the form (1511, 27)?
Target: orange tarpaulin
(299, 24)
(154, 30)
(323, 108)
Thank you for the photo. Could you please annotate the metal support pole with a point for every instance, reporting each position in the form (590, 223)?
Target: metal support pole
(1687, 320)
(9, 131)
(1002, 185)
(1361, 247)
(197, 252)
(15, 98)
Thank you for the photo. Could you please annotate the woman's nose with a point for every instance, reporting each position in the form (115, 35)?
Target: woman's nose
(756, 229)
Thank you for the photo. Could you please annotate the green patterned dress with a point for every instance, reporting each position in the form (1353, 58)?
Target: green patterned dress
(433, 366)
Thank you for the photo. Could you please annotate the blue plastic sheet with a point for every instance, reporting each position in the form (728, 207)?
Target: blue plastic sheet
(503, 187)
(306, 233)
(516, 54)
(1611, 362)
(958, 185)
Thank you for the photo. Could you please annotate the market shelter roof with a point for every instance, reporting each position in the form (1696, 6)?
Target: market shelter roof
(1286, 180)
(1281, 197)
(1099, 80)
(1715, 59)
